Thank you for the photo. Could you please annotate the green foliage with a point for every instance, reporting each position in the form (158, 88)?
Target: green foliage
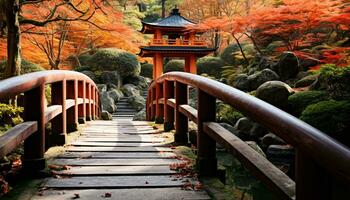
(210, 65)
(26, 67)
(9, 116)
(115, 60)
(337, 80)
(82, 68)
(174, 65)
(331, 117)
(84, 59)
(230, 73)
(132, 17)
(232, 55)
(147, 70)
(300, 100)
(227, 114)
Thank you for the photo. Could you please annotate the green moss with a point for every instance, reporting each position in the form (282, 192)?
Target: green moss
(9, 117)
(337, 80)
(210, 65)
(227, 114)
(147, 70)
(26, 67)
(331, 117)
(300, 100)
(174, 65)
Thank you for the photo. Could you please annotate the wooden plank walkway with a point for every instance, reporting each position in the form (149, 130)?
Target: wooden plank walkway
(119, 159)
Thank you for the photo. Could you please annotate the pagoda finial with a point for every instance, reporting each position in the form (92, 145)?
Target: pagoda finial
(175, 11)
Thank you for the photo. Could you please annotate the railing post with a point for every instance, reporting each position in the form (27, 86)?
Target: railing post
(153, 107)
(82, 107)
(72, 113)
(34, 145)
(88, 104)
(206, 158)
(93, 105)
(58, 124)
(159, 107)
(312, 182)
(168, 93)
(181, 125)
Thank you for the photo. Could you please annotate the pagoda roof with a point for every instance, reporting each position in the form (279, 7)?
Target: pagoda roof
(174, 20)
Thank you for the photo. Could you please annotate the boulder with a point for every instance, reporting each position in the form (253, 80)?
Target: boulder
(257, 131)
(108, 103)
(243, 127)
(264, 63)
(241, 82)
(229, 128)
(115, 94)
(139, 81)
(137, 102)
(90, 74)
(192, 132)
(140, 116)
(288, 66)
(112, 79)
(271, 139)
(130, 90)
(275, 93)
(102, 87)
(306, 81)
(280, 154)
(261, 77)
(105, 115)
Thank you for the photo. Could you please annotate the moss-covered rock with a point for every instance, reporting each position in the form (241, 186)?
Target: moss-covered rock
(337, 81)
(227, 114)
(147, 70)
(210, 65)
(300, 100)
(331, 117)
(232, 55)
(174, 65)
(115, 60)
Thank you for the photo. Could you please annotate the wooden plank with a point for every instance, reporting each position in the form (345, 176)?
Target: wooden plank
(116, 170)
(122, 132)
(51, 112)
(114, 162)
(128, 194)
(115, 144)
(273, 177)
(112, 155)
(70, 103)
(15, 136)
(113, 182)
(189, 111)
(130, 139)
(119, 149)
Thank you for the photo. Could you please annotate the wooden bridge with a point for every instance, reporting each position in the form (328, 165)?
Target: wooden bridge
(122, 159)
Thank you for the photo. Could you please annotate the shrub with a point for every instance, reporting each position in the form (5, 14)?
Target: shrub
(174, 65)
(227, 114)
(210, 65)
(337, 80)
(232, 55)
(300, 100)
(331, 117)
(9, 116)
(26, 67)
(84, 59)
(147, 70)
(82, 68)
(115, 60)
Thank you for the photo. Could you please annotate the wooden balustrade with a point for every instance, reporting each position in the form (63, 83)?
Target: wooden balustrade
(322, 163)
(69, 101)
(178, 42)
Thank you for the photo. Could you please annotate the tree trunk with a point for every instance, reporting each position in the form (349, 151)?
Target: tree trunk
(13, 67)
(163, 8)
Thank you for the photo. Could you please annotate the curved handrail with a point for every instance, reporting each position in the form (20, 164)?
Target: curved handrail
(324, 150)
(74, 96)
(15, 85)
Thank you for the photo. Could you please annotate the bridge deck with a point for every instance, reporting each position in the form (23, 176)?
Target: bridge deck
(119, 159)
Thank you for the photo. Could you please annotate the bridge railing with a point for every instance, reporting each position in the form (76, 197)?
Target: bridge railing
(322, 164)
(74, 99)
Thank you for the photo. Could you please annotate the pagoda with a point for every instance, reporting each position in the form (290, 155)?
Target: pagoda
(173, 38)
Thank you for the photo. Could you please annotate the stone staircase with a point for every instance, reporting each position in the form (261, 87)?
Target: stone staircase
(124, 109)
